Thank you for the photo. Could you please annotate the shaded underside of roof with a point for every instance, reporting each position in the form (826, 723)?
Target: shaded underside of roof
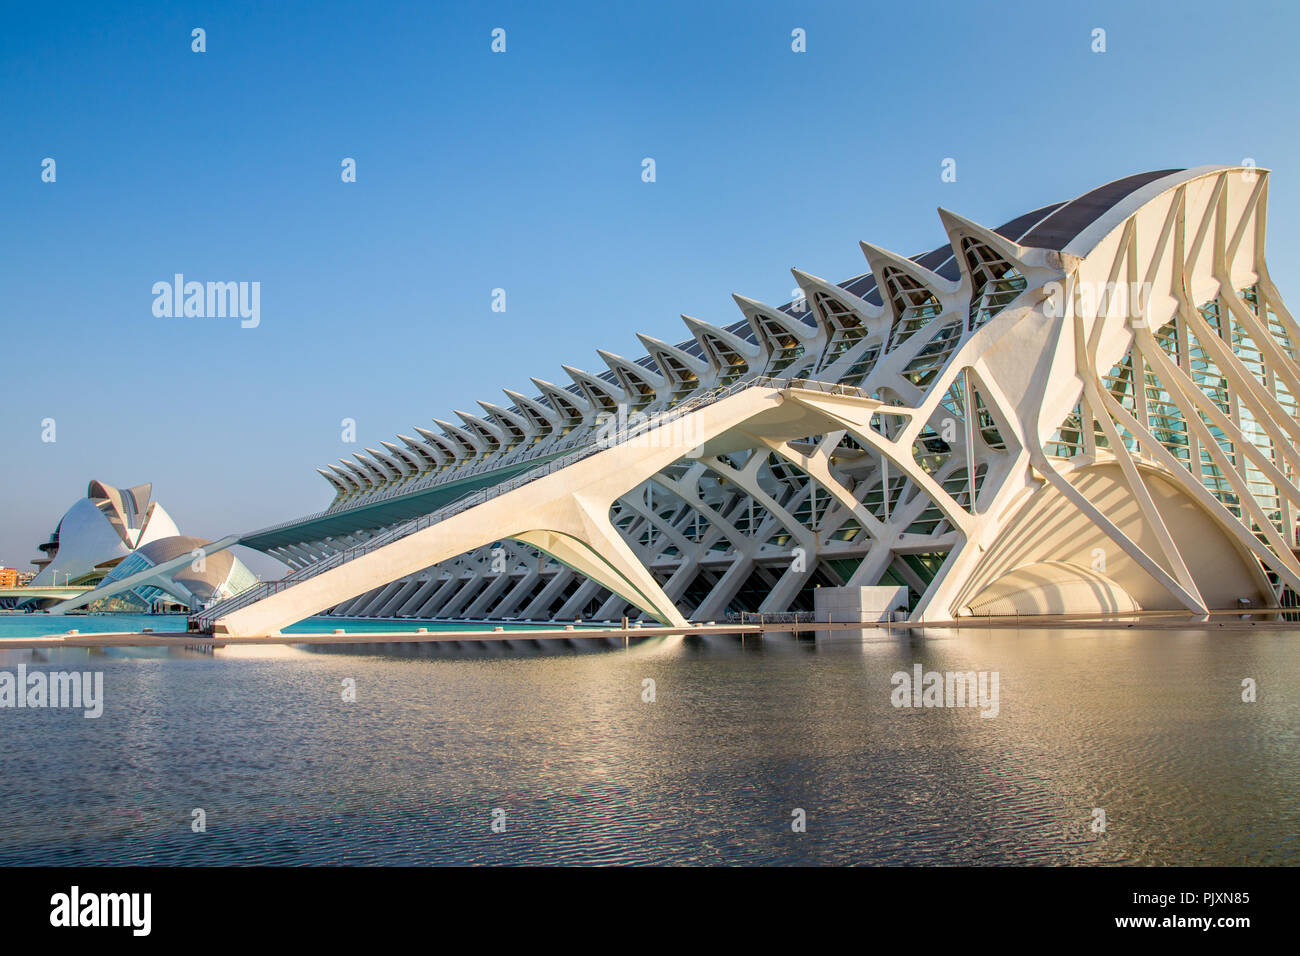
(385, 512)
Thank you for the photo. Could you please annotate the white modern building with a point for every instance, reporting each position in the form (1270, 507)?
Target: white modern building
(108, 539)
(1088, 409)
(98, 532)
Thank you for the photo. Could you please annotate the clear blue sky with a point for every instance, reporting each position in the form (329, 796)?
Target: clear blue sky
(522, 171)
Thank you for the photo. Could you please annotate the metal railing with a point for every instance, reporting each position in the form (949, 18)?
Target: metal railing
(778, 617)
(203, 620)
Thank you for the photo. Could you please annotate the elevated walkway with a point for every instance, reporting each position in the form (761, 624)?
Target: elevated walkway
(49, 591)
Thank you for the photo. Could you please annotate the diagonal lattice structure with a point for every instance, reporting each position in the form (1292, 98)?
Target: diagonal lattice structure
(1089, 409)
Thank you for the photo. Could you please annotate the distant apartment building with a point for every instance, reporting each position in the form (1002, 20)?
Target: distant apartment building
(13, 578)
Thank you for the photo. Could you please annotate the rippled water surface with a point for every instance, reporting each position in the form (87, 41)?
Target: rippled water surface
(14, 625)
(1148, 725)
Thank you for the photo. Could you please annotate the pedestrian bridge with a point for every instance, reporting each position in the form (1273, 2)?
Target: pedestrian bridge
(156, 574)
(66, 592)
(563, 506)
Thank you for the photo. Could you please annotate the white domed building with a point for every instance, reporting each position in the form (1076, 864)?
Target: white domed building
(113, 534)
(99, 532)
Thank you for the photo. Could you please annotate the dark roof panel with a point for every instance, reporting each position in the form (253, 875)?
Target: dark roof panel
(1058, 229)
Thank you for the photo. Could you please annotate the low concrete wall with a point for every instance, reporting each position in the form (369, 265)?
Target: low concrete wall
(859, 604)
